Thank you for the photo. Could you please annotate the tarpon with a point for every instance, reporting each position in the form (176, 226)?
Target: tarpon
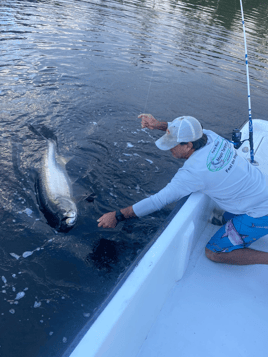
(54, 190)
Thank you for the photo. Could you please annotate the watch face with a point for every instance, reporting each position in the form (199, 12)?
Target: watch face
(119, 216)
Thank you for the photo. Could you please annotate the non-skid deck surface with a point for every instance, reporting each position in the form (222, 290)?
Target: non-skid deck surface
(216, 310)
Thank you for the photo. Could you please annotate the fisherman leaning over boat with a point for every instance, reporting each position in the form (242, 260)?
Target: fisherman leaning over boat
(213, 167)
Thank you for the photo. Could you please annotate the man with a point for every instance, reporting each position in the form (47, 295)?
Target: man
(212, 166)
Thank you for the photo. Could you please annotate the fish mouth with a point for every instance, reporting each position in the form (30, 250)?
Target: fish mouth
(67, 224)
(70, 221)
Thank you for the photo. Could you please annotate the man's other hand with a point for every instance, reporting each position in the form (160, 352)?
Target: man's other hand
(148, 121)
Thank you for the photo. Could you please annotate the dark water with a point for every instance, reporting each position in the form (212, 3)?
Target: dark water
(86, 69)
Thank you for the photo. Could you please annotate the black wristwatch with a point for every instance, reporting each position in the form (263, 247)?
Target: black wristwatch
(119, 216)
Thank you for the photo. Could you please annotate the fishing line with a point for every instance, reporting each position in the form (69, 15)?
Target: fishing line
(149, 89)
(248, 86)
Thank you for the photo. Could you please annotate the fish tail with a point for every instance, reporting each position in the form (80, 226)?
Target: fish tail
(35, 131)
(48, 133)
(43, 132)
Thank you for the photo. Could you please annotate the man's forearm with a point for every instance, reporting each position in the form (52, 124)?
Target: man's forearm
(128, 212)
(162, 125)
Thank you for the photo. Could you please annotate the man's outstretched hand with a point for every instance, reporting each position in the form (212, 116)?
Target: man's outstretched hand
(148, 121)
(108, 220)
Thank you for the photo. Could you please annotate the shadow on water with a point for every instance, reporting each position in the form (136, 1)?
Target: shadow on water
(104, 255)
(86, 69)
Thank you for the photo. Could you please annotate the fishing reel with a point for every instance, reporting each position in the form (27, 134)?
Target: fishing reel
(236, 138)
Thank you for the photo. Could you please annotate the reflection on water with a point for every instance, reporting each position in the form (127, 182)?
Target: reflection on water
(86, 69)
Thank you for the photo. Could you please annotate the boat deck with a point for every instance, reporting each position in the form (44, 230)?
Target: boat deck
(214, 310)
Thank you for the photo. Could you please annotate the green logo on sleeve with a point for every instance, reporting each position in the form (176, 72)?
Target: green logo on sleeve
(220, 155)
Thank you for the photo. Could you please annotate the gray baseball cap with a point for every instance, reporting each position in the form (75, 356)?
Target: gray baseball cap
(181, 130)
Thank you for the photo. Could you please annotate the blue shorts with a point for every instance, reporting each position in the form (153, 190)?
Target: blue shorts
(238, 232)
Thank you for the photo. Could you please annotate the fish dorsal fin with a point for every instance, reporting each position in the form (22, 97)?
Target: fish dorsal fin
(63, 160)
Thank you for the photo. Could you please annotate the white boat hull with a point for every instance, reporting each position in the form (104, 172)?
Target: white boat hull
(123, 326)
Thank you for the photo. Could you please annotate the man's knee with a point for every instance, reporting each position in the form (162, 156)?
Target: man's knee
(213, 256)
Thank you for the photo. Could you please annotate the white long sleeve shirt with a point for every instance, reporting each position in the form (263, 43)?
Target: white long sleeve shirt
(218, 171)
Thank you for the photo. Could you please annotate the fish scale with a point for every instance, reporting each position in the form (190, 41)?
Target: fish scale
(55, 176)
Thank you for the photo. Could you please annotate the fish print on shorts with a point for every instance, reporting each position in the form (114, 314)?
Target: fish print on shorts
(234, 237)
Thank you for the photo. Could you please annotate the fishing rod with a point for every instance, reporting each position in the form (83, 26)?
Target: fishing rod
(236, 137)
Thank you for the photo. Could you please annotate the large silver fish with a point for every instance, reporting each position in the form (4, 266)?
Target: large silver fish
(54, 190)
